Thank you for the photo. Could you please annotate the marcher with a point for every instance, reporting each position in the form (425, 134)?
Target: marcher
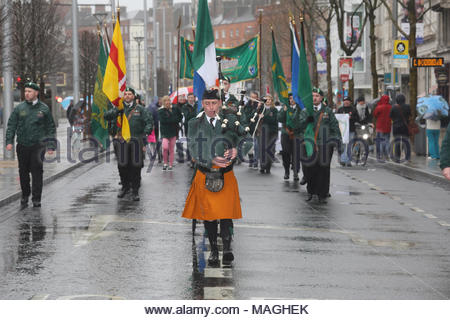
(348, 108)
(365, 116)
(189, 111)
(248, 112)
(130, 154)
(290, 148)
(228, 98)
(327, 135)
(267, 134)
(169, 119)
(33, 123)
(383, 127)
(433, 133)
(445, 155)
(214, 193)
(400, 115)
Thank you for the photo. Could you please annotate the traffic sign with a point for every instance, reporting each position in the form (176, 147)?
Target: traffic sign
(401, 49)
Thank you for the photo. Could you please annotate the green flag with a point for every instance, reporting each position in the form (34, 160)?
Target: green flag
(99, 126)
(186, 52)
(279, 80)
(239, 63)
(305, 94)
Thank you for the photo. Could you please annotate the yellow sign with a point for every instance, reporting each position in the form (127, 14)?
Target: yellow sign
(428, 62)
(401, 48)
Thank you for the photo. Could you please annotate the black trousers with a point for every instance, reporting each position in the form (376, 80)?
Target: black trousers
(290, 153)
(266, 148)
(130, 161)
(31, 161)
(317, 170)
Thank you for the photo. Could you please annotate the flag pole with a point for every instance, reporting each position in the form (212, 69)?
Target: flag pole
(178, 53)
(260, 45)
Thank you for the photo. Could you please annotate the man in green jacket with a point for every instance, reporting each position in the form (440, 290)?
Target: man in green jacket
(33, 123)
(327, 135)
(130, 154)
(189, 111)
(445, 155)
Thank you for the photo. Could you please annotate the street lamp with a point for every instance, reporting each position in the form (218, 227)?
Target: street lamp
(139, 40)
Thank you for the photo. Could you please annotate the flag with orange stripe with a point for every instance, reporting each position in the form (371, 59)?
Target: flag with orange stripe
(114, 82)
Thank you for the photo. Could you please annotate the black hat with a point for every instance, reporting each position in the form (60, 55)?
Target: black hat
(360, 98)
(347, 98)
(317, 90)
(32, 85)
(226, 78)
(131, 90)
(211, 94)
(290, 94)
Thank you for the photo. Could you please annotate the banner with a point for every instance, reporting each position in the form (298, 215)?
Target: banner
(239, 63)
(344, 126)
(321, 54)
(278, 78)
(345, 69)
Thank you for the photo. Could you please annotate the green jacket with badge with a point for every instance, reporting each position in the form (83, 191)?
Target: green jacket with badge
(140, 120)
(169, 121)
(32, 124)
(189, 112)
(290, 120)
(206, 142)
(329, 126)
(269, 121)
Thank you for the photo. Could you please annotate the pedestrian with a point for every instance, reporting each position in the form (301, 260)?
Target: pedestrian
(228, 99)
(400, 114)
(383, 127)
(445, 155)
(189, 111)
(365, 116)
(33, 123)
(169, 119)
(78, 127)
(130, 154)
(327, 135)
(214, 193)
(153, 110)
(349, 109)
(181, 101)
(248, 113)
(290, 148)
(267, 133)
(433, 133)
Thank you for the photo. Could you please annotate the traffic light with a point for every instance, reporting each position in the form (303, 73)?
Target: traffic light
(18, 82)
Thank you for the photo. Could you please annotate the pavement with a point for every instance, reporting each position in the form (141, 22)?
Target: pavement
(63, 164)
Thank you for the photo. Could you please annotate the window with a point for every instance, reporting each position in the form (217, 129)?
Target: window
(446, 27)
(237, 32)
(223, 34)
(231, 33)
(217, 35)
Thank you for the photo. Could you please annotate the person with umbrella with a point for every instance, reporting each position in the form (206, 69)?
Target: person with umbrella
(33, 123)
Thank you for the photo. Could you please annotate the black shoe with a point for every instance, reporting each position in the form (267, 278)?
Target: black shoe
(349, 164)
(329, 195)
(36, 204)
(23, 203)
(213, 259)
(322, 200)
(122, 193)
(135, 196)
(296, 178)
(268, 171)
(262, 171)
(303, 181)
(309, 198)
(227, 257)
(286, 176)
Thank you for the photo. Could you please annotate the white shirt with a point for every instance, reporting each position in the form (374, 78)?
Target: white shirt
(214, 121)
(318, 107)
(433, 124)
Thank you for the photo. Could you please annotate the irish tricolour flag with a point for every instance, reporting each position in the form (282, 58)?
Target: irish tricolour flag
(204, 57)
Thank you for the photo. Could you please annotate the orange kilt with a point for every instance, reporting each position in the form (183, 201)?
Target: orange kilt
(202, 204)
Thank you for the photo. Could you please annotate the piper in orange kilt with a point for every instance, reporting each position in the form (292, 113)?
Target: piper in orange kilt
(214, 193)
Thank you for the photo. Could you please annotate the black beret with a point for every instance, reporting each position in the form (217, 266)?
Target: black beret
(290, 94)
(32, 85)
(226, 78)
(317, 90)
(347, 98)
(211, 94)
(131, 90)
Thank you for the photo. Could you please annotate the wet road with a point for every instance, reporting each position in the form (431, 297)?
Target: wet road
(381, 236)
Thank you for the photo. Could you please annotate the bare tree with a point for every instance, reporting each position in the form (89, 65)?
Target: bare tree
(413, 17)
(355, 39)
(39, 40)
(370, 7)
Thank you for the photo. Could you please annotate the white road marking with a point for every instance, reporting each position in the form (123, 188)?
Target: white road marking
(218, 293)
(430, 216)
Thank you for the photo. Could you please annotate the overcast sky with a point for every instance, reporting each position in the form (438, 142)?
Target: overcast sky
(131, 4)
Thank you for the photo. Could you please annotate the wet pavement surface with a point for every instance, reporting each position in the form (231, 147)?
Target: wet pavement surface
(381, 236)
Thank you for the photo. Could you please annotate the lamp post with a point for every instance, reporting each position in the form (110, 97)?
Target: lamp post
(139, 40)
